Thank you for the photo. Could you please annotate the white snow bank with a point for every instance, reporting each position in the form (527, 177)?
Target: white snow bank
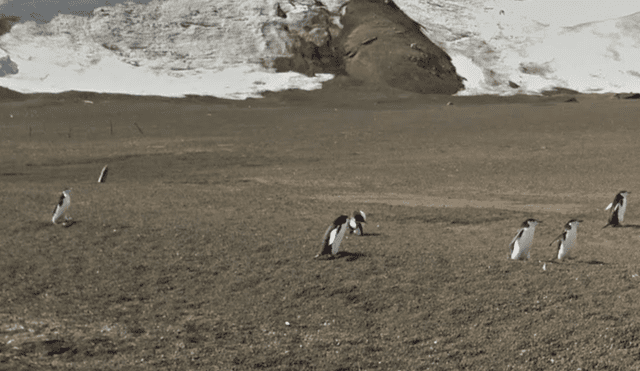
(167, 48)
(56, 66)
(584, 45)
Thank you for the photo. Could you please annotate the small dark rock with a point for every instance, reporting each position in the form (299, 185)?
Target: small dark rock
(6, 23)
(369, 40)
(559, 91)
(280, 12)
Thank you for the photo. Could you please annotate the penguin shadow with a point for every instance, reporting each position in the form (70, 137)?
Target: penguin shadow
(68, 223)
(572, 260)
(634, 226)
(349, 256)
(591, 262)
(370, 234)
(41, 225)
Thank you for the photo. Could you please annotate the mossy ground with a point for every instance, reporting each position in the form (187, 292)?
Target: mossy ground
(197, 251)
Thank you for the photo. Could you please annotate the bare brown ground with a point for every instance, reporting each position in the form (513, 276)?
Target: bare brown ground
(197, 251)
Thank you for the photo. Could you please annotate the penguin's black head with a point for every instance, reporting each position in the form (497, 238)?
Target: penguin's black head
(359, 216)
(620, 196)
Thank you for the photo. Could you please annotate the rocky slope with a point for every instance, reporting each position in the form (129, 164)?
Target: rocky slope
(372, 41)
(384, 46)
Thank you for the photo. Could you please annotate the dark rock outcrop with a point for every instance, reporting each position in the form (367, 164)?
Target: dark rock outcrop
(308, 41)
(627, 96)
(7, 66)
(6, 23)
(8, 94)
(559, 91)
(382, 45)
(378, 44)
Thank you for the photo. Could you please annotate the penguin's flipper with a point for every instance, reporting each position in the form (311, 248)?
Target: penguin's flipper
(563, 234)
(609, 207)
(325, 248)
(518, 235)
(561, 239)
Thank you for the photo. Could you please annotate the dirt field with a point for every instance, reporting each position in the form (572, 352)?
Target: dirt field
(196, 254)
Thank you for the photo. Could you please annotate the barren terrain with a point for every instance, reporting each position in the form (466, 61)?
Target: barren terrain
(197, 251)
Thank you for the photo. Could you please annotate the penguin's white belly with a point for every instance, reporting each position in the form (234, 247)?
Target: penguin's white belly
(336, 238)
(332, 236)
(563, 250)
(521, 247)
(515, 253)
(60, 210)
(621, 211)
(518, 251)
(565, 246)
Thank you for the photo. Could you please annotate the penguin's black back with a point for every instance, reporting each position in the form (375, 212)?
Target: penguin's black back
(340, 220)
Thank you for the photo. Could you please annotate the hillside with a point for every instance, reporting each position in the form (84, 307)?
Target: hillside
(242, 49)
(172, 42)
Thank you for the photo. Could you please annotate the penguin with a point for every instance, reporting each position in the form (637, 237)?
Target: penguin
(355, 224)
(336, 231)
(619, 205)
(103, 174)
(521, 243)
(567, 238)
(62, 206)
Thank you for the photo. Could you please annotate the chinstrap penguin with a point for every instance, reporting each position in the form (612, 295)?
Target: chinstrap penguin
(618, 208)
(62, 206)
(521, 244)
(336, 231)
(567, 239)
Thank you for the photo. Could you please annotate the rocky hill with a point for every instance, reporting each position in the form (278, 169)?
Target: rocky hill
(384, 46)
(369, 40)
